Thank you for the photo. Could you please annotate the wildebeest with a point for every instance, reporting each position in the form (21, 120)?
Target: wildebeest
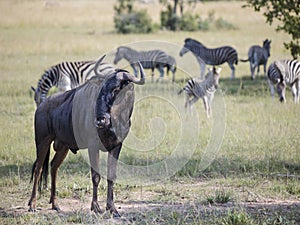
(96, 116)
(258, 56)
(197, 88)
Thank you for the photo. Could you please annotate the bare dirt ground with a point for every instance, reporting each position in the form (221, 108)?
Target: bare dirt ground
(154, 212)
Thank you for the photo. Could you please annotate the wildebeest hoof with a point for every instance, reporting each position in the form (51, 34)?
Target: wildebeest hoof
(95, 207)
(116, 215)
(31, 209)
(55, 207)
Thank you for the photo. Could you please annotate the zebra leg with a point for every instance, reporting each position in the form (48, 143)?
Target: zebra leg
(232, 70)
(271, 88)
(206, 106)
(281, 92)
(298, 90)
(134, 70)
(295, 91)
(152, 74)
(252, 68)
(161, 72)
(202, 67)
(191, 102)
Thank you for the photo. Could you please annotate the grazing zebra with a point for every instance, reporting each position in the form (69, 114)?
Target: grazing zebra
(282, 73)
(149, 59)
(205, 89)
(210, 56)
(258, 56)
(68, 75)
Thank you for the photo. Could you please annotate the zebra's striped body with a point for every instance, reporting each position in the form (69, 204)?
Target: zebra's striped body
(68, 75)
(205, 89)
(258, 56)
(210, 56)
(149, 59)
(284, 73)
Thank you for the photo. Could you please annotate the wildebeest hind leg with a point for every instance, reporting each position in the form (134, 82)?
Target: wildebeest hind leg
(60, 155)
(42, 150)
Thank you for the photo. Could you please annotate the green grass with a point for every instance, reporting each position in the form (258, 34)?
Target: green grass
(251, 169)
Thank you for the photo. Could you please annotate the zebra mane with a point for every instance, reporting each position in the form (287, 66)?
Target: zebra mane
(194, 41)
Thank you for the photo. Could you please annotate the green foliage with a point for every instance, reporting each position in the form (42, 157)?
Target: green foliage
(169, 20)
(189, 22)
(237, 218)
(128, 20)
(288, 15)
(223, 24)
(220, 196)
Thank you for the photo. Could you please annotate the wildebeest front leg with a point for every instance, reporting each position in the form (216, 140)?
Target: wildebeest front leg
(95, 168)
(60, 155)
(113, 157)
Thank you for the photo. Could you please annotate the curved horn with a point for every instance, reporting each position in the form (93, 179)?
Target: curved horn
(97, 65)
(134, 79)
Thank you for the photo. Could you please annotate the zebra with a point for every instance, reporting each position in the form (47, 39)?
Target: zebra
(205, 89)
(258, 56)
(68, 75)
(149, 59)
(210, 56)
(284, 73)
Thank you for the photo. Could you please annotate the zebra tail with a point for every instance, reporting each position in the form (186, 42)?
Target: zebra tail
(244, 60)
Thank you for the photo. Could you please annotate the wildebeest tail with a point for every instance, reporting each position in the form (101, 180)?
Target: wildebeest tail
(45, 171)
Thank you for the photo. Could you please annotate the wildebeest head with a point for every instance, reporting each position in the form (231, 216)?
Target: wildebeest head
(111, 88)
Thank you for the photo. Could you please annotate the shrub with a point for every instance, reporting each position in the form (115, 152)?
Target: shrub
(128, 20)
(223, 24)
(189, 22)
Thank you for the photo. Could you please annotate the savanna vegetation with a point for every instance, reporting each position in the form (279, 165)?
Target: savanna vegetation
(242, 166)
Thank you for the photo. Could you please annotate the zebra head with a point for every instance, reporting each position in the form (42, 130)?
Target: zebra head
(267, 46)
(189, 45)
(213, 76)
(119, 55)
(39, 97)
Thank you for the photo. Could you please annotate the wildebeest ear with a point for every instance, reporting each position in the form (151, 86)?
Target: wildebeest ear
(32, 88)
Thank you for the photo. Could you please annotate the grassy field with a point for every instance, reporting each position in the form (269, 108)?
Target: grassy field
(242, 166)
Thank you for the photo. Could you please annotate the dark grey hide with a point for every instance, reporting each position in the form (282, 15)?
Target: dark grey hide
(96, 116)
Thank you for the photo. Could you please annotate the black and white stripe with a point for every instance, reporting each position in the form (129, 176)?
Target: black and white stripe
(210, 56)
(205, 89)
(68, 75)
(149, 59)
(283, 73)
(258, 56)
